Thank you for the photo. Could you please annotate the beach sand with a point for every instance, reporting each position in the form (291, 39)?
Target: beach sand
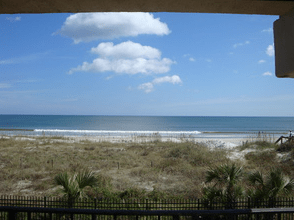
(221, 141)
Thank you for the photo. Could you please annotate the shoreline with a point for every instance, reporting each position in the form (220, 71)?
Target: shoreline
(124, 133)
(218, 141)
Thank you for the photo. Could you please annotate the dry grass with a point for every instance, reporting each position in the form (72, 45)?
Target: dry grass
(29, 164)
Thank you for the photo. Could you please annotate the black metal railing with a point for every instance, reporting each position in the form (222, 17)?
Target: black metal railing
(143, 204)
(28, 213)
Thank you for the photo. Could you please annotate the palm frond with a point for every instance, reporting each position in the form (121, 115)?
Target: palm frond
(256, 178)
(224, 175)
(211, 193)
(271, 185)
(86, 178)
(73, 185)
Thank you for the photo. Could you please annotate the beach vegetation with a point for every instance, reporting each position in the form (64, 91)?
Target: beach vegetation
(224, 184)
(73, 186)
(258, 145)
(270, 185)
(160, 169)
(262, 159)
(286, 147)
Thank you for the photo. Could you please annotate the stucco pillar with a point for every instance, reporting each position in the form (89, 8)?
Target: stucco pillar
(284, 46)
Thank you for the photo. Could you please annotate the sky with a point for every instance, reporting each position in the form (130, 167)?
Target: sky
(164, 64)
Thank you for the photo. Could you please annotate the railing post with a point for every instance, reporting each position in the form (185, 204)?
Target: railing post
(45, 206)
(176, 217)
(29, 215)
(195, 217)
(249, 202)
(279, 216)
(94, 217)
(147, 208)
(95, 204)
(12, 215)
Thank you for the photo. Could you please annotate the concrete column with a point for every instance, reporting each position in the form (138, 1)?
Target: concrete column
(284, 46)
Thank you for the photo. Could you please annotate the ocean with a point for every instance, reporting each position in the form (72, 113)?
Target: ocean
(77, 125)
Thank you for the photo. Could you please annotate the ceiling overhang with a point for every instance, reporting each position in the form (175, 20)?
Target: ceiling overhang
(202, 6)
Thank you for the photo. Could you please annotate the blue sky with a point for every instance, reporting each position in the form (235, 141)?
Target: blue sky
(181, 64)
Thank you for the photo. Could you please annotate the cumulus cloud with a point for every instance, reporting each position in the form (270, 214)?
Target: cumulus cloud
(13, 19)
(192, 59)
(261, 61)
(241, 44)
(126, 50)
(270, 50)
(86, 27)
(127, 57)
(149, 86)
(267, 74)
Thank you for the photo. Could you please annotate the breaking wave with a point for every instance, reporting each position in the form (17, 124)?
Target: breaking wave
(116, 133)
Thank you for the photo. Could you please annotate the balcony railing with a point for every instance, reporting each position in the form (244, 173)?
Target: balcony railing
(28, 213)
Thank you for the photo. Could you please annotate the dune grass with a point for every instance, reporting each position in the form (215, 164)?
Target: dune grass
(29, 164)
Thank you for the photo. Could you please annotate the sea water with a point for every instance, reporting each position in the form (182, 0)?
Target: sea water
(192, 126)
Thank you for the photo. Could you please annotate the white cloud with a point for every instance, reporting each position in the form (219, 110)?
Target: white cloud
(5, 85)
(86, 27)
(269, 30)
(13, 19)
(267, 74)
(118, 59)
(128, 66)
(189, 56)
(148, 87)
(170, 79)
(261, 61)
(126, 50)
(241, 44)
(270, 50)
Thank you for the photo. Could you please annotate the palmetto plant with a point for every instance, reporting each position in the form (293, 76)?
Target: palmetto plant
(73, 186)
(273, 184)
(269, 186)
(224, 181)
